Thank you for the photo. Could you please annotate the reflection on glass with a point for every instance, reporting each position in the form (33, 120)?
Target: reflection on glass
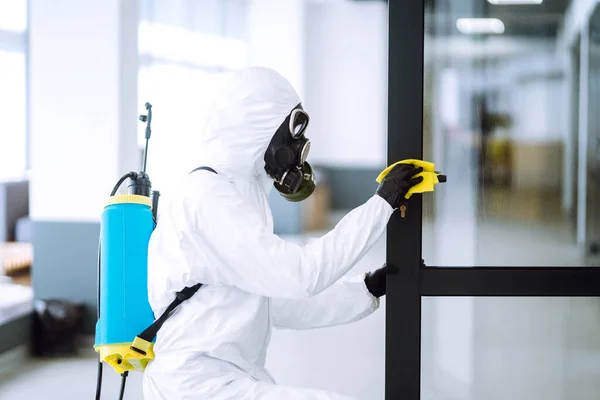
(490, 348)
(501, 120)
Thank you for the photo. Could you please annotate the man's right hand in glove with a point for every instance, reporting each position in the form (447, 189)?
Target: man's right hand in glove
(396, 184)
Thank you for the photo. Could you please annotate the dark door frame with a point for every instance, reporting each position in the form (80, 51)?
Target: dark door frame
(405, 141)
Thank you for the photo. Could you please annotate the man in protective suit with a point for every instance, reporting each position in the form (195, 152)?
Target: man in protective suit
(218, 231)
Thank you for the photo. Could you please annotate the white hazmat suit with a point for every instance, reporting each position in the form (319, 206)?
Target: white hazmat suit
(218, 230)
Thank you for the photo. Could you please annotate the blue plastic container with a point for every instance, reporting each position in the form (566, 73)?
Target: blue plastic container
(126, 227)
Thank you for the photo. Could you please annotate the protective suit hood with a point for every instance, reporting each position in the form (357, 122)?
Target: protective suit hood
(242, 122)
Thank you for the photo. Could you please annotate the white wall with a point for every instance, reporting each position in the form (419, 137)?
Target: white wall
(539, 107)
(346, 82)
(533, 87)
(576, 17)
(335, 55)
(82, 96)
(276, 38)
(541, 112)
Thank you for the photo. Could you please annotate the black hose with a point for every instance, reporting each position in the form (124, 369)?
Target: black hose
(99, 381)
(99, 378)
(100, 365)
(131, 175)
(123, 381)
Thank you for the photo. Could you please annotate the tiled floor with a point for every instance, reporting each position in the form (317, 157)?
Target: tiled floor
(65, 379)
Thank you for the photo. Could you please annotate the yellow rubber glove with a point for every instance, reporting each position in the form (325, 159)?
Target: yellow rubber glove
(430, 176)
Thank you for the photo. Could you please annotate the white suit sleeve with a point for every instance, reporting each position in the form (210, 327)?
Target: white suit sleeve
(246, 255)
(348, 300)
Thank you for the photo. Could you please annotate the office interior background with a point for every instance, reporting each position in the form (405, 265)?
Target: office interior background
(511, 100)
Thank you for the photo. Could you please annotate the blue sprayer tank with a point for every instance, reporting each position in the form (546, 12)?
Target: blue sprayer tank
(126, 226)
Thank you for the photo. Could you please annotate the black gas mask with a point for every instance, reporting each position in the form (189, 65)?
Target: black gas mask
(285, 159)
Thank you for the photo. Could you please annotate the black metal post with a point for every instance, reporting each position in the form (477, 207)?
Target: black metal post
(511, 281)
(405, 140)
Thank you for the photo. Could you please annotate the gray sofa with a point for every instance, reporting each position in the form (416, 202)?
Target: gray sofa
(14, 211)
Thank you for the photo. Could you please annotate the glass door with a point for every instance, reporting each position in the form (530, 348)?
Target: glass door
(501, 95)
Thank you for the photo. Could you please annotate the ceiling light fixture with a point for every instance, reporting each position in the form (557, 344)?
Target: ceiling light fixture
(473, 26)
(507, 2)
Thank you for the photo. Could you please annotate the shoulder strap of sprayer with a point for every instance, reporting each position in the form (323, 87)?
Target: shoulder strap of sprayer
(142, 342)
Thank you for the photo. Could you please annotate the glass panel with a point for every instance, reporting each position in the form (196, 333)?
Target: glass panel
(592, 227)
(490, 348)
(502, 121)
(12, 109)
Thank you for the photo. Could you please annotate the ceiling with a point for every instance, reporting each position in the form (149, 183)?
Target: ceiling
(542, 20)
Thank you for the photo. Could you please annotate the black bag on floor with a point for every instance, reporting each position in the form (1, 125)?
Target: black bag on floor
(56, 325)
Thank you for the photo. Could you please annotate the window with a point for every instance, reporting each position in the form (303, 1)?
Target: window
(13, 104)
(186, 54)
(13, 16)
